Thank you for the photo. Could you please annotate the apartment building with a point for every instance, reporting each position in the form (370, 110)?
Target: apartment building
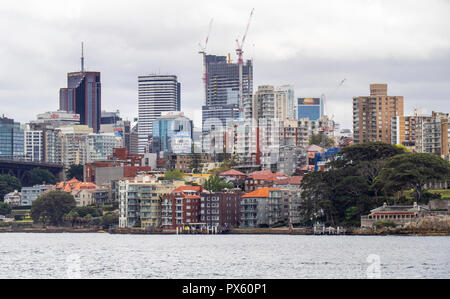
(372, 115)
(181, 206)
(221, 209)
(262, 207)
(140, 200)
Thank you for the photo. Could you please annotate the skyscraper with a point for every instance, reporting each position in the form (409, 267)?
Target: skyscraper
(222, 90)
(83, 96)
(372, 115)
(311, 108)
(156, 94)
(11, 139)
(172, 133)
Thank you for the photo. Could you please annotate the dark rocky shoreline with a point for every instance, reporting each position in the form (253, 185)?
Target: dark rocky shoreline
(259, 231)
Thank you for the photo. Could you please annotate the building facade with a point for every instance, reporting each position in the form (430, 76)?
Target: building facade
(261, 208)
(311, 108)
(372, 115)
(140, 201)
(83, 96)
(11, 139)
(181, 207)
(222, 90)
(221, 209)
(30, 194)
(156, 94)
(172, 134)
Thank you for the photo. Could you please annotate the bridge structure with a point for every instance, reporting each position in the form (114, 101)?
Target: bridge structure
(20, 168)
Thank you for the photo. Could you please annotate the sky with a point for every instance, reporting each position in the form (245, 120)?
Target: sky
(312, 45)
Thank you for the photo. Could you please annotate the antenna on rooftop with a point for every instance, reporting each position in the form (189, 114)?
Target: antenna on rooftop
(82, 57)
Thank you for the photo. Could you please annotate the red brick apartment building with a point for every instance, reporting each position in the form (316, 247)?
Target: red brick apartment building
(181, 206)
(221, 209)
(260, 179)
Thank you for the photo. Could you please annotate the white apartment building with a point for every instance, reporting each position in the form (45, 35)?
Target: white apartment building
(34, 145)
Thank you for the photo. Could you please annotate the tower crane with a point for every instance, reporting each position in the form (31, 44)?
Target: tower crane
(325, 127)
(239, 52)
(203, 52)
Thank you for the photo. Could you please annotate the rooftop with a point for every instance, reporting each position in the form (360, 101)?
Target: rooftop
(261, 193)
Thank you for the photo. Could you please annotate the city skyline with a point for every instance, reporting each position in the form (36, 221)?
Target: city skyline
(310, 46)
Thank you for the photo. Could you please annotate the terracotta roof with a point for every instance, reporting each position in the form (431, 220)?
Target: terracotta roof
(232, 172)
(293, 180)
(267, 175)
(261, 192)
(74, 184)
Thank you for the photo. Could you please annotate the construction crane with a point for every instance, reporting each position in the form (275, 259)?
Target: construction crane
(203, 52)
(331, 128)
(239, 52)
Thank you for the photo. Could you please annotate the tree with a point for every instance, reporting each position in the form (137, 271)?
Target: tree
(173, 175)
(5, 209)
(109, 219)
(75, 171)
(322, 140)
(8, 183)
(52, 206)
(72, 216)
(413, 171)
(368, 151)
(40, 176)
(216, 184)
(344, 192)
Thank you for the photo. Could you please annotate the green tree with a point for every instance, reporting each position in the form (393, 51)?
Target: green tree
(52, 206)
(8, 183)
(346, 191)
(84, 211)
(40, 176)
(322, 140)
(216, 184)
(368, 151)
(72, 216)
(413, 171)
(5, 209)
(109, 219)
(173, 175)
(75, 171)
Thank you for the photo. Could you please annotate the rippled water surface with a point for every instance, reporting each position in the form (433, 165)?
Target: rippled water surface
(100, 255)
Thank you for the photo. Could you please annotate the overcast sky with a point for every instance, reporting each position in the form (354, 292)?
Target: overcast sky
(312, 45)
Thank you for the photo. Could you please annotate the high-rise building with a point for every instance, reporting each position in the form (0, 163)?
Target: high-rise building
(372, 115)
(311, 108)
(34, 145)
(72, 141)
(172, 133)
(156, 94)
(110, 118)
(11, 139)
(41, 135)
(222, 91)
(436, 135)
(83, 96)
(277, 103)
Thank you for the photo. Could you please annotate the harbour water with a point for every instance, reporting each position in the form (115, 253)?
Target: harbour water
(102, 255)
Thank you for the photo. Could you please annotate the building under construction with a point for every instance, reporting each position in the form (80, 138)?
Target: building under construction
(222, 90)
